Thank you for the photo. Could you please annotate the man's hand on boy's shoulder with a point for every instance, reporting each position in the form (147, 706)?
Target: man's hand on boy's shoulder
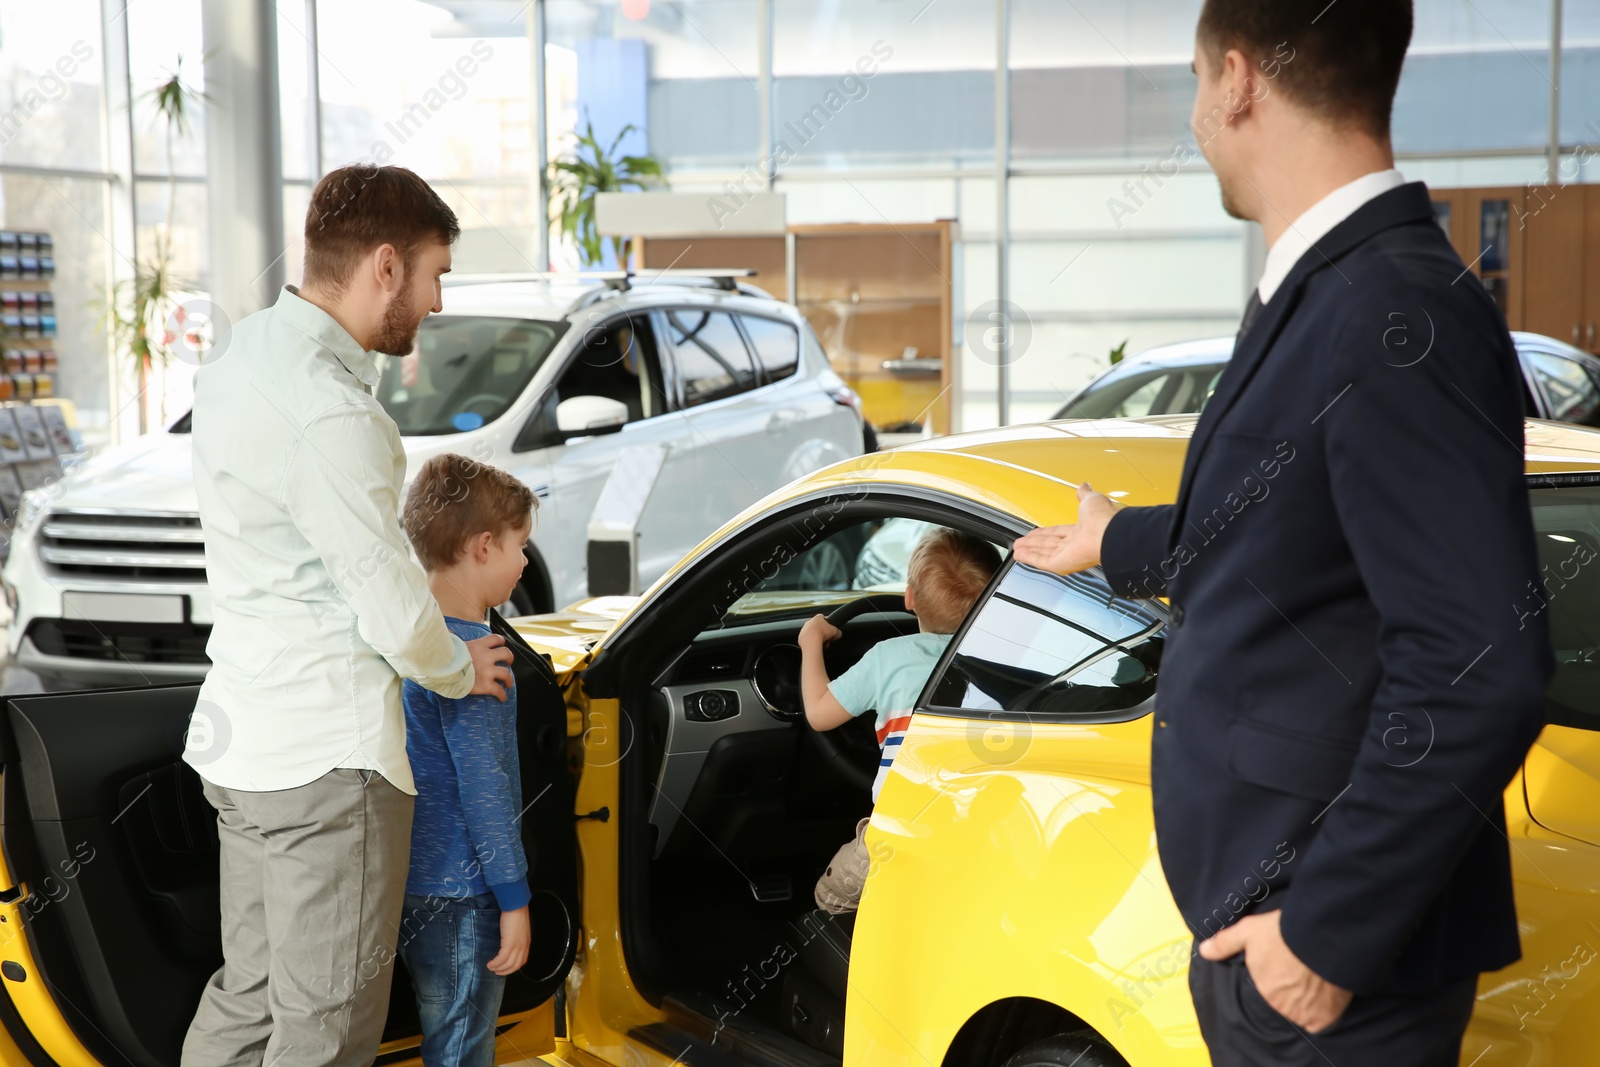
(516, 933)
(490, 675)
(818, 632)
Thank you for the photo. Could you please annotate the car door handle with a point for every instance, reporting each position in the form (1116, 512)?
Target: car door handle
(780, 419)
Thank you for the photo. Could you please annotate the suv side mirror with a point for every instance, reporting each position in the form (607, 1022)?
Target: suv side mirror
(583, 416)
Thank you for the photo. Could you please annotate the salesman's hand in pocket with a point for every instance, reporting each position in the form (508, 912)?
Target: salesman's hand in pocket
(1294, 990)
(1073, 547)
(490, 675)
(515, 934)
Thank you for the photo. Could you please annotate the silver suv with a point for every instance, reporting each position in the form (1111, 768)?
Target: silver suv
(643, 412)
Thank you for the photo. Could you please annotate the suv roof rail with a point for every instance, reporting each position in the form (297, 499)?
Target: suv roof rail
(621, 280)
(571, 277)
(718, 278)
(725, 280)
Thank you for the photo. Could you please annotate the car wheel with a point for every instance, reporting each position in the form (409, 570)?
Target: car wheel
(869, 437)
(1081, 1048)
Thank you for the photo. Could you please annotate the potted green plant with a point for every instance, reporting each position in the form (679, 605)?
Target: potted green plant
(592, 168)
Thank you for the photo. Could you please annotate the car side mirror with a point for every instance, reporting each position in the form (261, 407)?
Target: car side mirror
(585, 416)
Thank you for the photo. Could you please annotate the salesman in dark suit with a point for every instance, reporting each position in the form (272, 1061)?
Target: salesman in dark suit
(1348, 685)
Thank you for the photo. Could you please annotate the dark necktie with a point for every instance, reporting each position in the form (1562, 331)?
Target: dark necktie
(1251, 310)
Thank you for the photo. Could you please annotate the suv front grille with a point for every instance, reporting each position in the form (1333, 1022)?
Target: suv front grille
(121, 642)
(126, 546)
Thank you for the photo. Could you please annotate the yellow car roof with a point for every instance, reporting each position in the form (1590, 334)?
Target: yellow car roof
(1030, 471)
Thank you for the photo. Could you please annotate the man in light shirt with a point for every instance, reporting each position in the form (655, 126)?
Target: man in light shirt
(1345, 691)
(320, 611)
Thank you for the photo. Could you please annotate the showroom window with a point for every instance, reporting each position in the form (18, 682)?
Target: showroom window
(662, 69)
(873, 84)
(712, 359)
(1062, 647)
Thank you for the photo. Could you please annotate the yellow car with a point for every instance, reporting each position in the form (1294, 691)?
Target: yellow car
(681, 810)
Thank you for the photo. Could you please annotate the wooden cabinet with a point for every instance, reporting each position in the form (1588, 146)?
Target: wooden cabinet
(1483, 226)
(1554, 268)
(1591, 269)
(1537, 251)
(879, 297)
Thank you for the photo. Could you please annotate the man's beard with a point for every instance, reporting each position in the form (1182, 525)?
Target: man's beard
(397, 333)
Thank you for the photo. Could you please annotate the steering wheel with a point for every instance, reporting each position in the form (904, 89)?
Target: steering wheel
(872, 602)
(846, 746)
(488, 400)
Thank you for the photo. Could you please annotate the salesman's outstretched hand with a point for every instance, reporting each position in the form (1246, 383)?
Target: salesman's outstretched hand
(490, 675)
(1293, 989)
(1073, 547)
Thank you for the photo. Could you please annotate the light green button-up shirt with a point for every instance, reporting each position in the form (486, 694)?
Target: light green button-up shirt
(320, 610)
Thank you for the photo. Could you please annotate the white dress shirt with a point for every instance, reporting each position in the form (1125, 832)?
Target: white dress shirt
(320, 609)
(1304, 232)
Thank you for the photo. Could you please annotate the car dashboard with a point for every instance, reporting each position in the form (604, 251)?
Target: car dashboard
(736, 681)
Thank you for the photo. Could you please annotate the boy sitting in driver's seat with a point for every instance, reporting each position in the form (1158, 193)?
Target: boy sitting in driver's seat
(946, 574)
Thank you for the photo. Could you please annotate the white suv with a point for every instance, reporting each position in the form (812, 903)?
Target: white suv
(724, 391)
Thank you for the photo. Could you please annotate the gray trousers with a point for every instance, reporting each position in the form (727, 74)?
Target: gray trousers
(313, 880)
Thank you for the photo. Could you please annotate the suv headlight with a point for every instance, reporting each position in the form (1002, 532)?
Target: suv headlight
(29, 510)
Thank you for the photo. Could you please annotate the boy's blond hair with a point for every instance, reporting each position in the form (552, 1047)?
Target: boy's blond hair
(947, 573)
(453, 499)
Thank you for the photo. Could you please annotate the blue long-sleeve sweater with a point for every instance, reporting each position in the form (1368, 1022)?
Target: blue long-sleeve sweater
(466, 837)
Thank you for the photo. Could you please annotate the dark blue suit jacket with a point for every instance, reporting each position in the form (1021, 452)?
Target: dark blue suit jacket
(1349, 686)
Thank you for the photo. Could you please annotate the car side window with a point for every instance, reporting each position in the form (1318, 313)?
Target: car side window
(712, 360)
(776, 345)
(620, 361)
(1046, 645)
(1566, 524)
(1572, 392)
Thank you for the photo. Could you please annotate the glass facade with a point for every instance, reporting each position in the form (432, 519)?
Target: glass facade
(880, 84)
(873, 111)
(52, 78)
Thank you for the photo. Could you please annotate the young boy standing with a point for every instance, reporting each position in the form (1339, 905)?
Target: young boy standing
(946, 574)
(465, 925)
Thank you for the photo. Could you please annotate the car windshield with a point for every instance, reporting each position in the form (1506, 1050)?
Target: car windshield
(464, 372)
(1566, 524)
(867, 557)
(1157, 390)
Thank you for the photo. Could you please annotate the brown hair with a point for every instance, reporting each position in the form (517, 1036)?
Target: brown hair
(947, 572)
(1340, 61)
(453, 499)
(357, 208)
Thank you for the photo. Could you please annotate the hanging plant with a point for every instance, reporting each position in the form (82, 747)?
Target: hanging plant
(589, 169)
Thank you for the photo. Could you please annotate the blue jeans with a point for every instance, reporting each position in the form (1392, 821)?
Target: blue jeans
(446, 943)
